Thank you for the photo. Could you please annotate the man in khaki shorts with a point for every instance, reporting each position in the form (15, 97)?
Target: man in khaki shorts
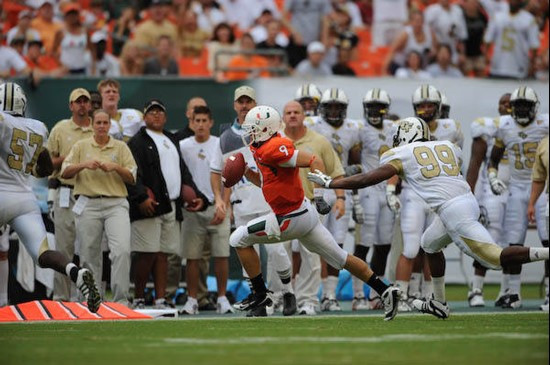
(211, 225)
(102, 166)
(155, 204)
(63, 136)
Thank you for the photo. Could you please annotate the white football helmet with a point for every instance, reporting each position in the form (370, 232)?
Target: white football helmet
(412, 129)
(525, 104)
(376, 105)
(309, 96)
(426, 94)
(445, 107)
(334, 106)
(260, 124)
(12, 99)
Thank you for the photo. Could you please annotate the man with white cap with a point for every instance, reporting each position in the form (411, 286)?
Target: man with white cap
(23, 28)
(314, 65)
(102, 63)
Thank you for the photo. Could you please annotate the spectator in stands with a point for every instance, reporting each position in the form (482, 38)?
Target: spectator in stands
(388, 20)
(223, 39)
(41, 64)
(131, 60)
(155, 202)
(415, 37)
(18, 44)
(102, 63)
(352, 9)
(148, 32)
(313, 65)
(341, 67)
(270, 43)
(474, 52)
(191, 39)
(95, 17)
(240, 13)
(541, 66)
(338, 32)
(23, 28)
(11, 63)
(413, 68)
(305, 18)
(71, 43)
(252, 64)
(163, 63)
(260, 31)
(124, 26)
(443, 67)
(447, 22)
(46, 25)
(209, 15)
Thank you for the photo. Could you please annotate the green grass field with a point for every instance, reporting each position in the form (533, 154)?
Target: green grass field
(468, 337)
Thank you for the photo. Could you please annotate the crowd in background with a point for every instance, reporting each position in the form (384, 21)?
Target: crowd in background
(407, 38)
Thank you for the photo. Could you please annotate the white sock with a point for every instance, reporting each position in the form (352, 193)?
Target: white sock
(478, 281)
(403, 286)
(504, 284)
(358, 291)
(4, 272)
(287, 288)
(439, 289)
(414, 283)
(222, 299)
(515, 284)
(329, 289)
(538, 253)
(192, 300)
(68, 268)
(427, 289)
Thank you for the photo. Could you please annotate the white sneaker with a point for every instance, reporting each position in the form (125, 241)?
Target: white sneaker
(86, 284)
(307, 309)
(390, 301)
(161, 304)
(223, 306)
(359, 303)
(191, 307)
(475, 298)
(404, 303)
(330, 304)
(433, 307)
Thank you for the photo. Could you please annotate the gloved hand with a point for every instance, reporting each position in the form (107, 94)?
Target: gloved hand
(497, 186)
(357, 210)
(320, 203)
(319, 178)
(392, 199)
(353, 170)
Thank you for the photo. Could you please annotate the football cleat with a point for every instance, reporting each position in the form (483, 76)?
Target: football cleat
(245, 303)
(475, 298)
(86, 284)
(359, 304)
(502, 298)
(138, 303)
(433, 307)
(307, 309)
(544, 306)
(390, 301)
(513, 302)
(191, 307)
(260, 305)
(289, 304)
(330, 304)
(161, 304)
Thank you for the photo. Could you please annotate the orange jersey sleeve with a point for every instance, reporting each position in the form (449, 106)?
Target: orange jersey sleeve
(281, 185)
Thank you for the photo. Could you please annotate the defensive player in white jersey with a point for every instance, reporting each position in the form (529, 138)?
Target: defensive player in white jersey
(343, 134)
(515, 35)
(492, 207)
(125, 123)
(416, 215)
(432, 170)
(376, 232)
(309, 96)
(445, 110)
(520, 134)
(22, 153)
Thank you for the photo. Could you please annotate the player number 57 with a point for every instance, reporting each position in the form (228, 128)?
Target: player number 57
(15, 160)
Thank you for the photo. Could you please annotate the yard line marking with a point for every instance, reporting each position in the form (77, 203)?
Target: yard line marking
(374, 339)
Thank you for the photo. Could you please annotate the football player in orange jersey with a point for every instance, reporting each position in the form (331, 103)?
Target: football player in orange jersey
(292, 216)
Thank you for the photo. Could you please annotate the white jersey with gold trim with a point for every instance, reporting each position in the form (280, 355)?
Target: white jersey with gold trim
(342, 139)
(521, 143)
(126, 124)
(448, 130)
(431, 169)
(21, 141)
(375, 142)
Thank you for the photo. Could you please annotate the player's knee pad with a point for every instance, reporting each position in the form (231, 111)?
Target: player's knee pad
(236, 238)
(410, 251)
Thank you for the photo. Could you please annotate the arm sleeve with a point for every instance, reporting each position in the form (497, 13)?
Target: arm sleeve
(392, 158)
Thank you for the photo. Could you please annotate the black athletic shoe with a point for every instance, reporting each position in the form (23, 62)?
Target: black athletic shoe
(245, 303)
(502, 300)
(289, 304)
(258, 306)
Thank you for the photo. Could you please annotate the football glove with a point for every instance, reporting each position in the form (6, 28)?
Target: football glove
(392, 199)
(353, 170)
(357, 210)
(319, 178)
(497, 186)
(321, 205)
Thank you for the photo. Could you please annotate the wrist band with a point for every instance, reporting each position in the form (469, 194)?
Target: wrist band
(341, 197)
(311, 160)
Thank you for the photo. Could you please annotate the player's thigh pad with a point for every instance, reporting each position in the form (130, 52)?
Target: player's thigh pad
(515, 220)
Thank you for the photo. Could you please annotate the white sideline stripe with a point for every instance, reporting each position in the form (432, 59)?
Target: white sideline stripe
(383, 338)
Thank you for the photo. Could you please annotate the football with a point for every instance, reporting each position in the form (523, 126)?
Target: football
(187, 194)
(233, 170)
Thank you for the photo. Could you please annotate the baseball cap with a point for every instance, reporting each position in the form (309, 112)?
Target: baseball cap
(76, 93)
(71, 7)
(153, 103)
(245, 91)
(25, 14)
(316, 47)
(45, 2)
(98, 37)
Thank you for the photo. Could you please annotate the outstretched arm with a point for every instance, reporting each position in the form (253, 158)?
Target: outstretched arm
(370, 178)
